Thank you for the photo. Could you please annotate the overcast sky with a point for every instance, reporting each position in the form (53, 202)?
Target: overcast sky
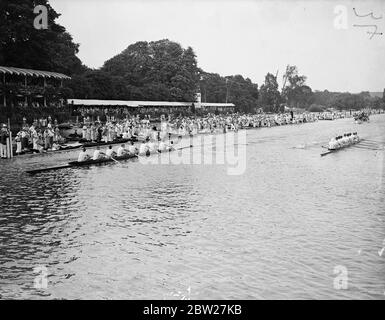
(249, 38)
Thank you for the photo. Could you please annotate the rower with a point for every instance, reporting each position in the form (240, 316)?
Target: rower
(339, 142)
(121, 150)
(150, 145)
(162, 146)
(132, 149)
(142, 148)
(83, 156)
(110, 153)
(98, 154)
(170, 147)
(351, 140)
(344, 140)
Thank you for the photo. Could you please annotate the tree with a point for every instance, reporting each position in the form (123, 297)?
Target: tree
(294, 91)
(233, 89)
(26, 47)
(157, 70)
(315, 108)
(212, 87)
(269, 96)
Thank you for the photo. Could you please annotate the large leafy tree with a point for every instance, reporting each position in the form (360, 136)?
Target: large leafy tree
(212, 87)
(269, 96)
(295, 92)
(235, 89)
(158, 70)
(346, 100)
(21, 45)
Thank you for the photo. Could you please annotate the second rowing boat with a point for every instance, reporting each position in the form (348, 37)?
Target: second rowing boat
(329, 151)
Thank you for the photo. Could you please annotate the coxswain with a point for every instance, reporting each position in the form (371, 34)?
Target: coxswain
(83, 156)
(110, 153)
(98, 154)
(333, 144)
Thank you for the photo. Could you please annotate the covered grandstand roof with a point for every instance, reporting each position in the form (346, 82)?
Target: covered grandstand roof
(134, 104)
(32, 73)
(212, 104)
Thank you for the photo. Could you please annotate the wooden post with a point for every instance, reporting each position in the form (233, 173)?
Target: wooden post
(5, 99)
(45, 99)
(9, 141)
(10, 138)
(25, 86)
(7, 149)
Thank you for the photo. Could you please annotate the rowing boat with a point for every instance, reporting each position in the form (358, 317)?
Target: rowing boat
(100, 161)
(84, 163)
(335, 150)
(69, 147)
(75, 164)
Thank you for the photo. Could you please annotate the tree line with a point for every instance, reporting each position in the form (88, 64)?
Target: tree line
(158, 70)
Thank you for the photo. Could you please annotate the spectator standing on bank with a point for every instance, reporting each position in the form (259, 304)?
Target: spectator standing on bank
(3, 141)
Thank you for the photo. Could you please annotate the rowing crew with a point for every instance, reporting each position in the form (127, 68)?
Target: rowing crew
(343, 141)
(144, 149)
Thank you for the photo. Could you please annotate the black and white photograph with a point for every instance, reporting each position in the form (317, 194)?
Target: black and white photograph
(185, 150)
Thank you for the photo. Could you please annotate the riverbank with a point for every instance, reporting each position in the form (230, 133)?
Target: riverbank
(44, 136)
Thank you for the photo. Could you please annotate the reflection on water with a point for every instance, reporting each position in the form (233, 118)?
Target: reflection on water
(164, 231)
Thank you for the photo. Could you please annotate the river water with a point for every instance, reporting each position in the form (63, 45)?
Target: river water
(291, 226)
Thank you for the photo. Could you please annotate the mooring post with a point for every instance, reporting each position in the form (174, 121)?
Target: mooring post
(9, 141)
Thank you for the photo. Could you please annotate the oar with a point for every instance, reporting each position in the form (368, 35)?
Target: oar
(115, 160)
(326, 153)
(190, 146)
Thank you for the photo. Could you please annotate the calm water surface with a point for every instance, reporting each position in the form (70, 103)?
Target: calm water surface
(140, 231)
